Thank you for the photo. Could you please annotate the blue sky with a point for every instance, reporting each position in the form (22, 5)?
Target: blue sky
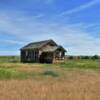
(73, 24)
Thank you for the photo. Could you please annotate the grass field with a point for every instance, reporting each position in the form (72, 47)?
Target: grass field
(73, 80)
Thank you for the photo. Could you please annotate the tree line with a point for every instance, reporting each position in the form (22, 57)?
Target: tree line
(84, 57)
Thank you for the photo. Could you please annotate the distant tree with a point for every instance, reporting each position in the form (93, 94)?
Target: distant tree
(85, 57)
(95, 57)
(70, 57)
(78, 57)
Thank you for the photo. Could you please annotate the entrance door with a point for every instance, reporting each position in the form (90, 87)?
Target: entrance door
(46, 57)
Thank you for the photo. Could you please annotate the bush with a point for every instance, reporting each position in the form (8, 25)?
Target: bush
(85, 57)
(78, 57)
(70, 57)
(95, 57)
(50, 73)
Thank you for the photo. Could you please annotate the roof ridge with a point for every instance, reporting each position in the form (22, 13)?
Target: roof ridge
(41, 41)
(38, 43)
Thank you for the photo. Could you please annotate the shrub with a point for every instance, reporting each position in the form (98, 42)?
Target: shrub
(85, 57)
(95, 57)
(78, 57)
(50, 73)
(70, 57)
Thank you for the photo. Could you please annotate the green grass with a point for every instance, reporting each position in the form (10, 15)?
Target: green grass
(9, 68)
(84, 64)
(77, 63)
(6, 74)
(50, 73)
(10, 59)
(13, 74)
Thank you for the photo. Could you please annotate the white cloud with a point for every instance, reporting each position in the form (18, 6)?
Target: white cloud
(28, 29)
(81, 7)
(39, 15)
(9, 53)
(5, 41)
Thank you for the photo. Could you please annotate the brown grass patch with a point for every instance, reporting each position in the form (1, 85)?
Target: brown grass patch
(74, 85)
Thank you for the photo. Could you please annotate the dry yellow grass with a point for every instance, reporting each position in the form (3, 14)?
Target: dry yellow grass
(74, 84)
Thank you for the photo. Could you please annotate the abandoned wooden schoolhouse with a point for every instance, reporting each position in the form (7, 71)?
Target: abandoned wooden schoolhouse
(46, 51)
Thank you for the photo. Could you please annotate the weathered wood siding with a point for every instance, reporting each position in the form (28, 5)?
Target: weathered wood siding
(43, 56)
(44, 47)
(29, 56)
(58, 56)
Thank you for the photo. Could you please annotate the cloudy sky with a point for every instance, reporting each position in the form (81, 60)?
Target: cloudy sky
(75, 24)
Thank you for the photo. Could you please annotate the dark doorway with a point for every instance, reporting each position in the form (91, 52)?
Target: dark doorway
(46, 57)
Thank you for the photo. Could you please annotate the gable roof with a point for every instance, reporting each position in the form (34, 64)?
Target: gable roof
(52, 49)
(38, 45)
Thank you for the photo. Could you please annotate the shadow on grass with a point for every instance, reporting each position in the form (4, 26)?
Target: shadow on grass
(50, 73)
